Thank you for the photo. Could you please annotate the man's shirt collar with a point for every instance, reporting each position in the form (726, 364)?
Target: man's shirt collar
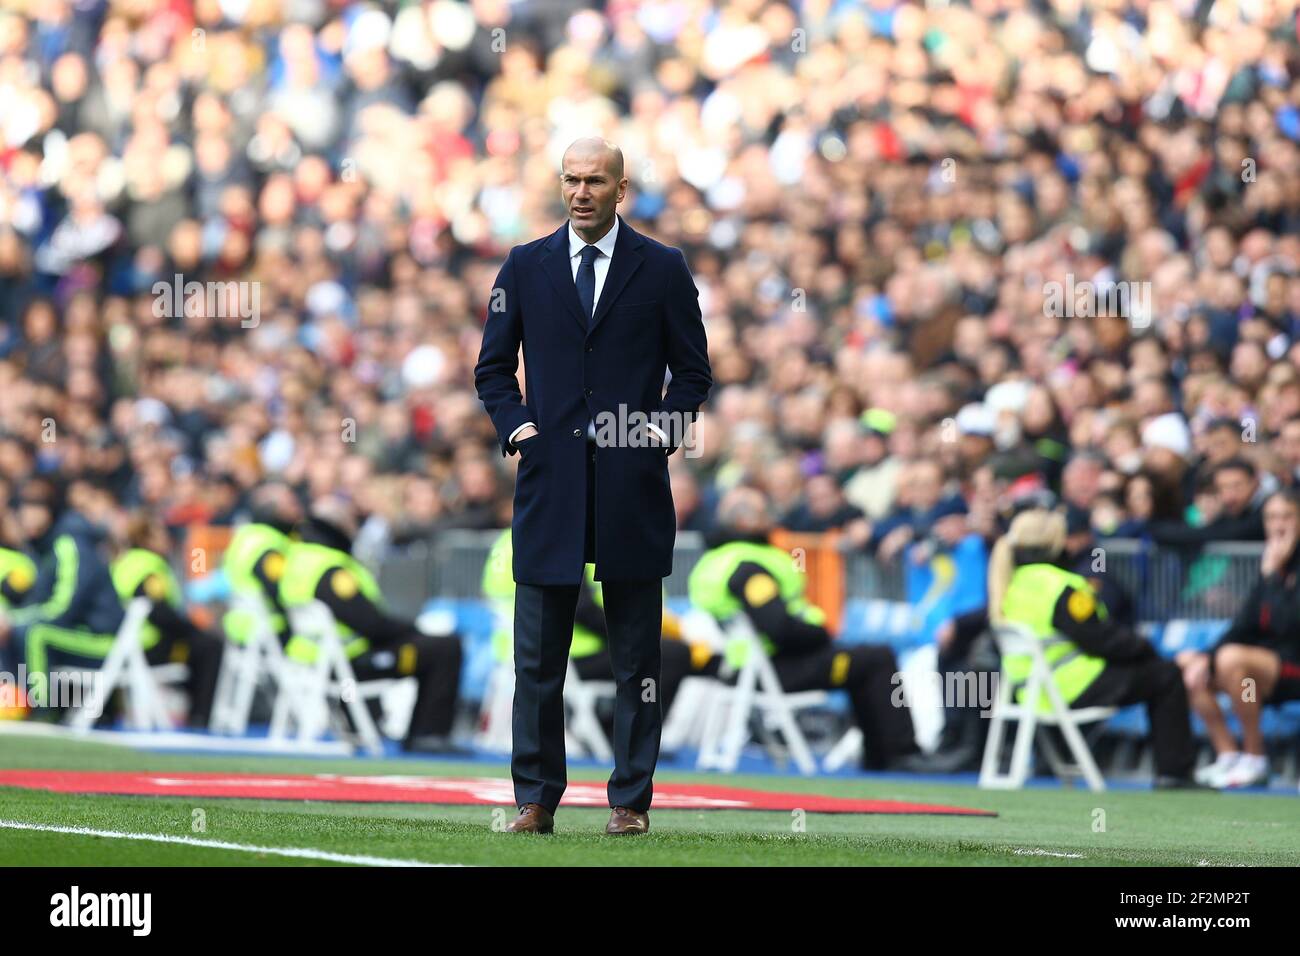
(605, 244)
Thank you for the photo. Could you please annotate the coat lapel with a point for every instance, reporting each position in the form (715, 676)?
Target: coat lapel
(625, 262)
(555, 263)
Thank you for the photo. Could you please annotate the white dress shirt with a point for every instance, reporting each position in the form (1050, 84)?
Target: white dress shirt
(601, 264)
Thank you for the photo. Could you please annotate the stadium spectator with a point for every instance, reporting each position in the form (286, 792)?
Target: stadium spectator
(1257, 660)
(1230, 510)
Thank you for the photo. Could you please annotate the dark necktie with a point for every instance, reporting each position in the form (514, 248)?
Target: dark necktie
(586, 280)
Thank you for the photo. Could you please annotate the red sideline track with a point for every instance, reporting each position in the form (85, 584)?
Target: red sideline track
(485, 791)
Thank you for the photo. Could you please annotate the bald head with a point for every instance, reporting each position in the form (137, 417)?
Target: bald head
(593, 148)
(745, 510)
(592, 185)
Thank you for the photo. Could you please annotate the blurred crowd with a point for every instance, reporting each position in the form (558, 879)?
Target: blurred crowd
(881, 203)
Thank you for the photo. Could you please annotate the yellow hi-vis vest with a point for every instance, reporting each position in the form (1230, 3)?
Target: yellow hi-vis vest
(18, 570)
(134, 567)
(246, 548)
(1031, 601)
(707, 587)
(306, 564)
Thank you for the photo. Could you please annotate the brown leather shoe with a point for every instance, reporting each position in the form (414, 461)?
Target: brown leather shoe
(533, 818)
(625, 821)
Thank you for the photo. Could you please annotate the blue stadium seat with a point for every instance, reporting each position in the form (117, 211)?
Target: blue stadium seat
(879, 622)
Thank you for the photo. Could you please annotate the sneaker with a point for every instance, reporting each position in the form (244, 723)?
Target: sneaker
(1251, 770)
(1212, 773)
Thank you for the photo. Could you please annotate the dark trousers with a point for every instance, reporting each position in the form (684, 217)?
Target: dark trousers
(201, 654)
(867, 673)
(544, 619)
(434, 662)
(1158, 683)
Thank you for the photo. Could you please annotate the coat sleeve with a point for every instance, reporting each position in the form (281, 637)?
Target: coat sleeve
(760, 595)
(498, 359)
(1075, 616)
(338, 591)
(688, 355)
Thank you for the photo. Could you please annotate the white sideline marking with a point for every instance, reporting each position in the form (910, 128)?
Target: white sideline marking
(1037, 852)
(297, 852)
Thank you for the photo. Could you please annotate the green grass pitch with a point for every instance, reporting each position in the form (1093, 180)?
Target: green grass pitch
(1036, 827)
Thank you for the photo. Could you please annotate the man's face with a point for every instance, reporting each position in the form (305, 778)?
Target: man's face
(1289, 445)
(823, 495)
(591, 189)
(1234, 489)
(927, 485)
(287, 506)
(33, 520)
(1080, 482)
(1220, 445)
(1280, 519)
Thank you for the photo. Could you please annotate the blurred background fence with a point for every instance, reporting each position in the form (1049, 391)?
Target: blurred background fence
(1167, 584)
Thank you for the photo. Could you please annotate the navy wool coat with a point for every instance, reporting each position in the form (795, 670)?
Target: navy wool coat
(647, 321)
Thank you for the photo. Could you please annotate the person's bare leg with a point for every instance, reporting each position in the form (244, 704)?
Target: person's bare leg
(1206, 705)
(1237, 666)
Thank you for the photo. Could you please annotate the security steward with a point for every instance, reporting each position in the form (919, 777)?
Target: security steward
(742, 572)
(168, 636)
(589, 650)
(254, 561)
(71, 614)
(1095, 661)
(320, 567)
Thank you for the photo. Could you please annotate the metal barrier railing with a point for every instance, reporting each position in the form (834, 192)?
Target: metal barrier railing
(1167, 584)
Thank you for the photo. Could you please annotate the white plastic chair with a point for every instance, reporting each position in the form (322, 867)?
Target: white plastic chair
(307, 692)
(126, 666)
(243, 667)
(757, 690)
(1013, 639)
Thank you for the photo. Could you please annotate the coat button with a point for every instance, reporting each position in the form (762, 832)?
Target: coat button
(587, 390)
(577, 433)
(590, 349)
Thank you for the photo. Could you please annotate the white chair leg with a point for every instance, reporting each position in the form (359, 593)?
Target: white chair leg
(991, 776)
(847, 750)
(775, 704)
(1022, 750)
(713, 726)
(245, 686)
(222, 698)
(1074, 740)
(682, 722)
(498, 709)
(737, 726)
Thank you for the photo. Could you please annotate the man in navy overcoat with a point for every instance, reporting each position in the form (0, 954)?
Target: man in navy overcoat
(604, 316)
